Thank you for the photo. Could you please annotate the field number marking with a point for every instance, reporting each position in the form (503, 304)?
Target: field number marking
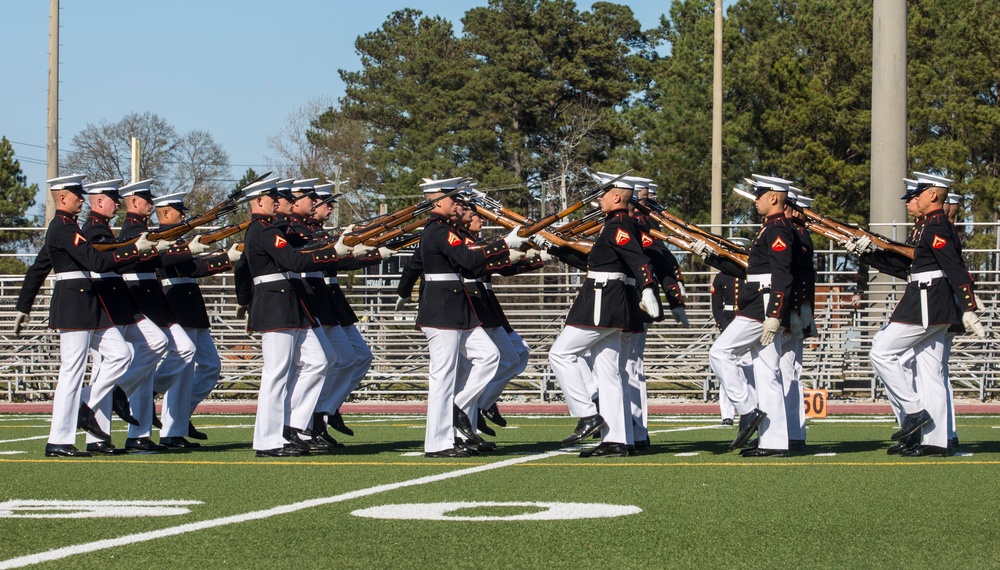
(532, 511)
(46, 509)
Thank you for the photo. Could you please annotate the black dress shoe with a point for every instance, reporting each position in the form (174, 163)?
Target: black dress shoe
(447, 453)
(606, 449)
(796, 445)
(67, 450)
(467, 446)
(105, 448)
(143, 444)
(748, 425)
(764, 452)
(752, 444)
(87, 421)
(953, 443)
(336, 421)
(464, 426)
(586, 427)
(320, 432)
(493, 414)
(926, 451)
(641, 444)
(481, 425)
(193, 432)
(279, 452)
(904, 444)
(179, 443)
(294, 440)
(912, 423)
(727, 422)
(119, 405)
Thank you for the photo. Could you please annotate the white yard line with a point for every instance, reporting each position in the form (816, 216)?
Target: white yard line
(67, 551)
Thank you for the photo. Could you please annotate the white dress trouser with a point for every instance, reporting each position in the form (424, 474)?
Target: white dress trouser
(194, 383)
(341, 370)
(362, 364)
(740, 337)
(311, 364)
(507, 368)
(568, 364)
(791, 377)
(179, 354)
(482, 358)
(726, 408)
(283, 351)
(927, 390)
(638, 403)
(446, 347)
(73, 348)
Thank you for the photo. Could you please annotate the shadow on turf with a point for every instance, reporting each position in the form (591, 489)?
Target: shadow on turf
(721, 447)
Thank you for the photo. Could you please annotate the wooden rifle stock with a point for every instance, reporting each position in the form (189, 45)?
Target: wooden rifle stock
(394, 233)
(879, 241)
(715, 243)
(223, 233)
(595, 229)
(511, 223)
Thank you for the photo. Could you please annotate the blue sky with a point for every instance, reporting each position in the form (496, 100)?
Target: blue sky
(234, 68)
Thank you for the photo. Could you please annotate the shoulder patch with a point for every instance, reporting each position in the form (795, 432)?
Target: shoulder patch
(938, 242)
(646, 240)
(454, 240)
(779, 244)
(280, 241)
(622, 237)
(78, 239)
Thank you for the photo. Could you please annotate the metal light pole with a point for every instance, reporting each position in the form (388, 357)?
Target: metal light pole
(52, 136)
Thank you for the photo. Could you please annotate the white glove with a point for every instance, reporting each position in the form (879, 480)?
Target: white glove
(516, 255)
(342, 249)
(680, 315)
(386, 252)
(362, 250)
(806, 314)
(858, 245)
(972, 324)
(545, 256)
(513, 240)
(241, 312)
(771, 327)
(979, 302)
(700, 248)
(196, 247)
(164, 245)
(538, 240)
(401, 303)
(795, 324)
(233, 253)
(650, 303)
(143, 245)
(532, 254)
(20, 320)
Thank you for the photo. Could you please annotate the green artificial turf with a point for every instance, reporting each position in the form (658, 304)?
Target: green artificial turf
(704, 508)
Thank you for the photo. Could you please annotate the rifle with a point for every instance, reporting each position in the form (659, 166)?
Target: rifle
(719, 245)
(879, 241)
(588, 221)
(547, 221)
(394, 233)
(389, 221)
(329, 199)
(511, 223)
(225, 207)
(223, 233)
(811, 225)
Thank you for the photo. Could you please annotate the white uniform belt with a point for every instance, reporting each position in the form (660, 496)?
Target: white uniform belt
(924, 279)
(312, 275)
(471, 280)
(630, 281)
(441, 277)
(67, 275)
(178, 281)
(489, 286)
(728, 307)
(605, 276)
(926, 276)
(763, 279)
(139, 276)
(331, 281)
(108, 275)
(270, 277)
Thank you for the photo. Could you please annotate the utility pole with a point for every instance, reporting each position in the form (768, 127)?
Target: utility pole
(136, 172)
(717, 123)
(337, 183)
(888, 112)
(52, 135)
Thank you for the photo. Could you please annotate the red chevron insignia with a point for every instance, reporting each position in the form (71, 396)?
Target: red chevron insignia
(646, 240)
(622, 237)
(78, 239)
(779, 244)
(280, 241)
(454, 240)
(939, 242)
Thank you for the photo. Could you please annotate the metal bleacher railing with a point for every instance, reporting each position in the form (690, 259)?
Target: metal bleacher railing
(676, 358)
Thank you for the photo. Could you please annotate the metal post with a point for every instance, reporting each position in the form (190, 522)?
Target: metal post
(717, 123)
